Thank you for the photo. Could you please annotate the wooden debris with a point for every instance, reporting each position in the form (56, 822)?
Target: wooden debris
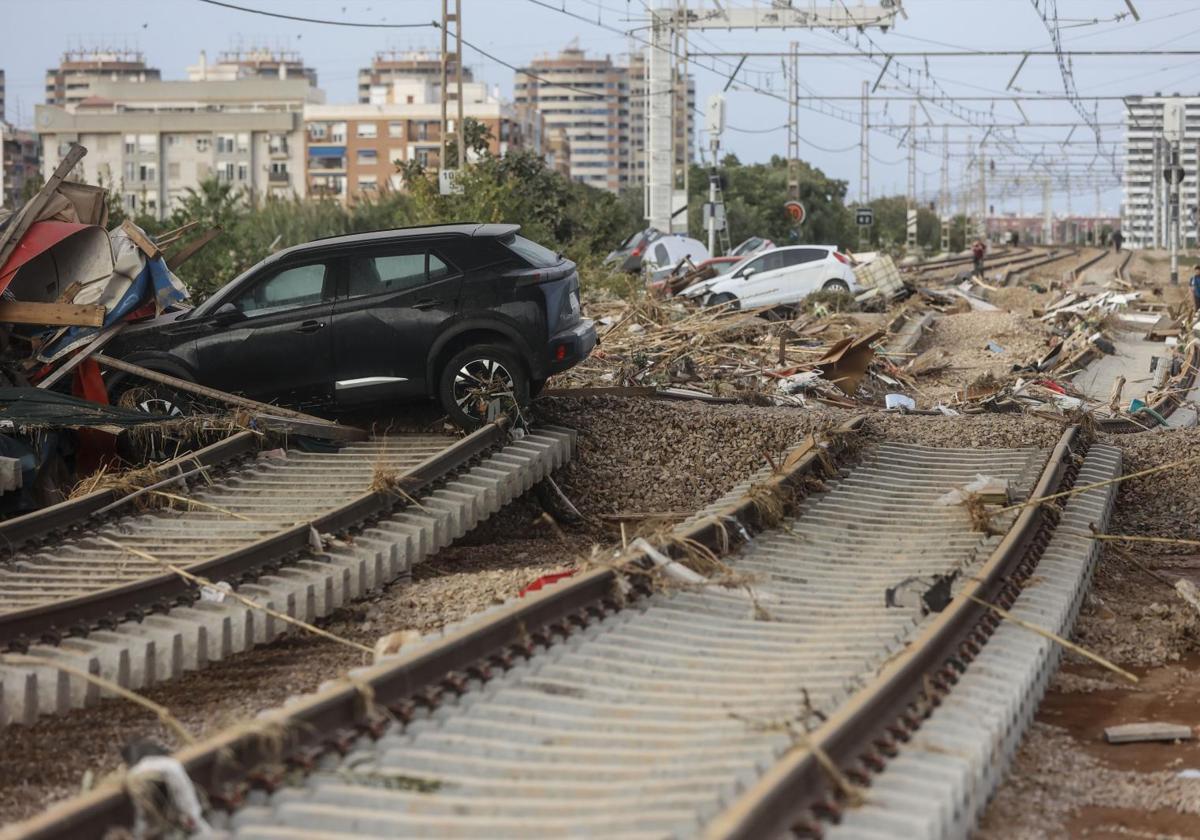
(29, 213)
(139, 238)
(190, 250)
(51, 314)
(1132, 733)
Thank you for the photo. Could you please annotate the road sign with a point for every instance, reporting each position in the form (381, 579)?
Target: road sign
(448, 182)
(796, 211)
(1173, 174)
(864, 216)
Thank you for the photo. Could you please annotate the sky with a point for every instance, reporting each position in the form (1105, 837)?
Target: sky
(172, 33)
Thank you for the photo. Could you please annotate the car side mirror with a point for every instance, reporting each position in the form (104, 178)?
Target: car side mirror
(227, 313)
(746, 272)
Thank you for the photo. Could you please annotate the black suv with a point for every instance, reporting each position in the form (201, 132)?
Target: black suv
(474, 314)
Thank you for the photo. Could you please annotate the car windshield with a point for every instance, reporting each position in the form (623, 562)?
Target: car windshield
(725, 267)
(533, 253)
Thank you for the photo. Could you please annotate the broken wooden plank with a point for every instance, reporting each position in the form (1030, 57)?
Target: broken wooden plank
(56, 314)
(188, 251)
(140, 239)
(28, 214)
(101, 338)
(312, 425)
(1130, 733)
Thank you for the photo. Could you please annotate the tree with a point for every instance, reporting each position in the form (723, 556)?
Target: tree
(755, 195)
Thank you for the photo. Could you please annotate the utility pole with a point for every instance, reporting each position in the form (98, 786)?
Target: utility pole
(983, 205)
(446, 181)
(1047, 213)
(944, 199)
(910, 239)
(864, 163)
(1156, 193)
(660, 115)
(793, 127)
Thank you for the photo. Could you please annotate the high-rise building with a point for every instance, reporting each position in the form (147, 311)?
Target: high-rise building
(153, 140)
(3, 117)
(252, 63)
(595, 112)
(353, 149)
(18, 164)
(71, 81)
(586, 101)
(387, 66)
(1146, 211)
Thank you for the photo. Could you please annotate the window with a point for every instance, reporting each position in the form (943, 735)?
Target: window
(278, 144)
(224, 144)
(437, 268)
(148, 143)
(203, 143)
(540, 257)
(299, 286)
(130, 170)
(368, 183)
(367, 157)
(337, 133)
(368, 129)
(130, 144)
(243, 143)
(799, 256)
(147, 172)
(396, 156)
(395, 129)
(386, 273)
(661, 257)
(243, 172)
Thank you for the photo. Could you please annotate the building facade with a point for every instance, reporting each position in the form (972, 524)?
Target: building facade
(153, 140)
(375, 82)
(18, 164)
(584, 103)
(71, 81)
(1145, 214)
(1064, 230)
(352, 150)
(252, 63)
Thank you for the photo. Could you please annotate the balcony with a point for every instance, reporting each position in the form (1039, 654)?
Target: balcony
(279, 177)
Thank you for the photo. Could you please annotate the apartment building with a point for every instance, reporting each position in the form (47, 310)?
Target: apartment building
(151, 140)
(586, 101)
(375, 82)
(595, 111)
(1145, 215)
(251, 63)
(353, 149)
(71, 81)
(2, 106)
(18, 164)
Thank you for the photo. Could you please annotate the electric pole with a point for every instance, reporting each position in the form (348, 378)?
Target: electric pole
(793, 127)
(451, 57)
(944, 198)
(910, 239)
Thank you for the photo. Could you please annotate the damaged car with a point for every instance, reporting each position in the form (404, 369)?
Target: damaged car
(474, 315)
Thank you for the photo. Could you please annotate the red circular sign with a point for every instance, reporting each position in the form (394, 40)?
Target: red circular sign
(796, 211)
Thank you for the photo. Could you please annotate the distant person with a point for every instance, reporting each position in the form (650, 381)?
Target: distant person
(1117, 239)
(1194, 283)
(977, 252)
(1016, 239)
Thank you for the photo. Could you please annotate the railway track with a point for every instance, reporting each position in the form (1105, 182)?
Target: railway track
(610, 704)
(300, 532)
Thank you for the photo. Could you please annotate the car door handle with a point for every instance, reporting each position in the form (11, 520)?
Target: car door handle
(310, 326)
(427, 303)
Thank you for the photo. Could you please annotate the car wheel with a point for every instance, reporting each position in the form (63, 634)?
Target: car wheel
(535, 388)
(723, 298)
(480, 383)
(837, 286)
(154, 399)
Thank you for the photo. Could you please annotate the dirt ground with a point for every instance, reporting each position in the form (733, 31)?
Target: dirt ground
(965, 338)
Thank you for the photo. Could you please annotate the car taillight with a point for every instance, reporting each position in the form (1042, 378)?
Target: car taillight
(841, 257)
(637, 252)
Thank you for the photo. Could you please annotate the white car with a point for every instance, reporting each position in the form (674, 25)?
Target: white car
(779, 277)
(669, 250)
